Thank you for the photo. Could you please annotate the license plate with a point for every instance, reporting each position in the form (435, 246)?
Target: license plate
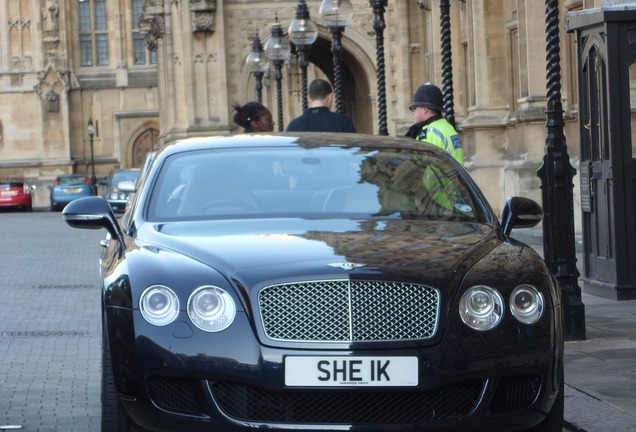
(8, 193)
(73, 190)
(351, 371)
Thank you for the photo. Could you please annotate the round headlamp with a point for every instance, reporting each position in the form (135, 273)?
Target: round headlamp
(481, 307)
(159, 305)
(527, 304)
(211, 308)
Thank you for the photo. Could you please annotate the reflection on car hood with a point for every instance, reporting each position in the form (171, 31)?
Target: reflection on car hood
(254, 251)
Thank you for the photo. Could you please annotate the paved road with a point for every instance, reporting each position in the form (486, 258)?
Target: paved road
(50, 332)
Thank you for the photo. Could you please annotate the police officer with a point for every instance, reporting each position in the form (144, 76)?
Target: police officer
(430, 126)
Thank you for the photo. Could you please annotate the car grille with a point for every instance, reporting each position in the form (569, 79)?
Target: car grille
(243, 402)
(515, 393)
(348, 311)
(174, 394)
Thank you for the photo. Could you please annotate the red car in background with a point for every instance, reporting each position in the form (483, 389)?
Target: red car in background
(14, 192)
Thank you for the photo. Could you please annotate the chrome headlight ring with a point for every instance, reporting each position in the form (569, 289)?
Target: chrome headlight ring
(211, 308)
(159, 305)
(527, 304)
(481, 307)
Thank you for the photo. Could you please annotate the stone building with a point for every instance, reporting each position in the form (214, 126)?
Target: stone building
(147, 72)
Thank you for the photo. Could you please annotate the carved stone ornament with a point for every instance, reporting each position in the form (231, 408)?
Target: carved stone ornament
(153, 29)
(424, 4)
(53, 101)
(203, 15)
(152, 23)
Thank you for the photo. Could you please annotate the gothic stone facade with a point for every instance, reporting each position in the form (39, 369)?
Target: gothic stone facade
(147, 72)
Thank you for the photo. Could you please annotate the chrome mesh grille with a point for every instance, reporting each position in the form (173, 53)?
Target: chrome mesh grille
(348, 311)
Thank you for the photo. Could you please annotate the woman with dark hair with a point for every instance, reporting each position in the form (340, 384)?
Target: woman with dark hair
(253, 117)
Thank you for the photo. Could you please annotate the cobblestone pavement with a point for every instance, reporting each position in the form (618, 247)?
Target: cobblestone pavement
(50, 331)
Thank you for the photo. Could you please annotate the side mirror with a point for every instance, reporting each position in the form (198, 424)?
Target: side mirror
(93, 213)
(520, 212)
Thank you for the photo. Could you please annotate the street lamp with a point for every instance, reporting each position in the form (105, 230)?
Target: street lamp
(91, 132)
(336, 14)
(257, 64)
(379, 25)
(303, 32)
(277, 49)
(556, 175)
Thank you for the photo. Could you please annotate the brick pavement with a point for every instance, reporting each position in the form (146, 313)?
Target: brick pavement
(50, 332)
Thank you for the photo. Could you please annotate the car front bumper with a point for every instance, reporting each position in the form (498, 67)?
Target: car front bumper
(185, 382)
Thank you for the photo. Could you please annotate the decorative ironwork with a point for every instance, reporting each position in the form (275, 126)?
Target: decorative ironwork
(379, 25)
(336, 14)
(303, 33)
(556, 175)
(277, 49)
(447, 63)
(257, 64)
(91, 133)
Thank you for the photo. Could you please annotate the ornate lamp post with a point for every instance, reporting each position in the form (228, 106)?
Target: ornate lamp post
(556, 175)
(447, 64)
(303, 32)
(336, 15)
(257, 64)
(379, 25)
(91, 132)
(277, 49)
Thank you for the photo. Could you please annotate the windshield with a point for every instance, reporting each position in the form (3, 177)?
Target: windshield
(71, 181)
(313, 183)
(7, 183)
(121, 176)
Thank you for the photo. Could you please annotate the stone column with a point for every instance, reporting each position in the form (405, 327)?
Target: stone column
(190, 44)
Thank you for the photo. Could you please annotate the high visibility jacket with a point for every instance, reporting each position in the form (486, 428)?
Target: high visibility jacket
(439, 132)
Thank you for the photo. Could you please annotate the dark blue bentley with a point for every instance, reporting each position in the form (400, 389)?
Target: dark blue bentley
(322, 282)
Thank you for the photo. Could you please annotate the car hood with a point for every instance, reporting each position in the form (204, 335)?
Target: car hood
(258, 252)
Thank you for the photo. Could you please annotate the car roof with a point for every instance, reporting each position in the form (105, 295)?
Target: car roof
(302, 139)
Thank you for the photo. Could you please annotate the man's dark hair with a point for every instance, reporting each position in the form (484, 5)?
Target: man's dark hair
(319, 89)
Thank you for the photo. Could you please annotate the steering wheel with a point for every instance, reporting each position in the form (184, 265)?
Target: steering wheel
(227, 204)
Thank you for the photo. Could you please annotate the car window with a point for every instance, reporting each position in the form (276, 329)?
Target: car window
(311, 182)
(11, 183)
(121, 176)
(71, 181)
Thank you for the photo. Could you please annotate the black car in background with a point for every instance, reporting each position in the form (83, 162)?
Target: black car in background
(117, 186)
(322, 282)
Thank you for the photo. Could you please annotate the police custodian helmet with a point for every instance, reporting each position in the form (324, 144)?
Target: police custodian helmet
(428, 95)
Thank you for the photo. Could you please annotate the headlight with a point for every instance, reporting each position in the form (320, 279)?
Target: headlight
(113, 195)
(526, 304)
(211, 309)
(159, 305)
(481, 307)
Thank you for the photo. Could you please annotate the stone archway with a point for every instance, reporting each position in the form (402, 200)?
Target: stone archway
(144, 144)
(356, 89)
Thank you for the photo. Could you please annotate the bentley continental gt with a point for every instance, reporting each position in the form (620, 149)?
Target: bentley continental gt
(322, 282)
